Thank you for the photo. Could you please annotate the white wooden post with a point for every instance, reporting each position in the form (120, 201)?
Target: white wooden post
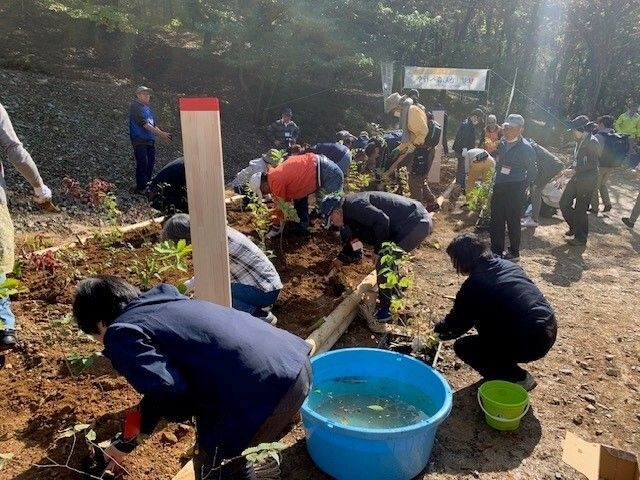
(202, 144)
(434, 173)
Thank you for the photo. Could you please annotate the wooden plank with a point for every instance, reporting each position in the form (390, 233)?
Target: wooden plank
(434, 173)
(202, 145)
(186, 472)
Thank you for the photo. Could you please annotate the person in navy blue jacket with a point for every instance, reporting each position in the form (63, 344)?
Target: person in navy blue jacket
(514, 321)
(338, 153)
(515, 171)
(142, 132)
(242, 379)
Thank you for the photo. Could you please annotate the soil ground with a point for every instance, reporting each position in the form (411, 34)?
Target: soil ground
(588, 384)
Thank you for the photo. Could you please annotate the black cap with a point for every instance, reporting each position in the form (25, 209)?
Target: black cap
(414, 93)
(581, 123)
(477, 112)
(287, 111)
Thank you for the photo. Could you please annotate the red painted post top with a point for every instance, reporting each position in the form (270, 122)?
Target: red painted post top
(206, 104)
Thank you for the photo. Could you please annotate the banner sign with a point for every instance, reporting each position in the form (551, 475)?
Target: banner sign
(427, 78)
(386, 71)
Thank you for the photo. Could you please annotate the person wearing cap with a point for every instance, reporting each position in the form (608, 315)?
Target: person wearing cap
(374, 218)
(580, 188)
(491, 135)
(465, 140)
(241, 379)
(142, 132)
(362, 140)
(514, 322)
(414, 95)
(255, 283)
(283, 133)
(338, 152)
(422, 162)
(413, 122)
(515, 171)
(628, 123)
(272, 158)
(481, 167)
(346, 138)
(20, 158)
(293, 181)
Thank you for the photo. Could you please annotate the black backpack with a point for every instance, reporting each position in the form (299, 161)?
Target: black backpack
(614, 150)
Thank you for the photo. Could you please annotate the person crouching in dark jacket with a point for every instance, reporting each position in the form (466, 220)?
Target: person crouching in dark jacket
(515, 322)
(583, 183)
(375, 218)
(242, 379)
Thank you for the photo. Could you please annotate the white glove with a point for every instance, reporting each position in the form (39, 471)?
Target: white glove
(464, 152)
(275, 230)
(42, 194)
(190, 284)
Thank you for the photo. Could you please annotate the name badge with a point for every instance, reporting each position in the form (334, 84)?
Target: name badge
(356, 245)
(287, 134)
(505, 170)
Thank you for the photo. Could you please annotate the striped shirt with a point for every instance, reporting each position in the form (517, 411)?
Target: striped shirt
(249, 265)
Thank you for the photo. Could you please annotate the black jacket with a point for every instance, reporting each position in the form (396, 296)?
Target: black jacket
(586, 156)
(547, 163)
(500, 301)
(465, 137)
(378, 217)
(168, 188)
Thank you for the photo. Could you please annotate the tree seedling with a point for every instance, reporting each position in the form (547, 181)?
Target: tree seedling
(11, 286)
(394, 268)
(78, 364)
(261, 215)
(356, 180)
(289, 214)
(46, 262)
(173, 255)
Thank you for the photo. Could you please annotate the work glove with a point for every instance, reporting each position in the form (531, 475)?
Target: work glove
(275, 231)
(190, 285)
(42, 194)
(464, 152)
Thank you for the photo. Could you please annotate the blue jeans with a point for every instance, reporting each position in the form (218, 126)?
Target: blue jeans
(331, 176)
(248, 298)
(6, 315)
(145, 161)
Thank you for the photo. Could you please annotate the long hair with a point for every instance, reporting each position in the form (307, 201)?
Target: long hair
(465, 251)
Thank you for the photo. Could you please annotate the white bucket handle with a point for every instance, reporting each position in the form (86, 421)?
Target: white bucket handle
(499, 419)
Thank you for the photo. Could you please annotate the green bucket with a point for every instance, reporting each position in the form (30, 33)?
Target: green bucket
(503, 403)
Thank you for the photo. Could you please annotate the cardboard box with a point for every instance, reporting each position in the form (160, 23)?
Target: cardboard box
(599, 462)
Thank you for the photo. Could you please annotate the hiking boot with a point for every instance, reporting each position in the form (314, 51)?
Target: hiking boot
(607, 208)
(627, 221)
(529, 382)
(514, 257)
(569, 233)
(529, 223)
(7, 340)
(382, 315)
(266, 316)
(574, 242)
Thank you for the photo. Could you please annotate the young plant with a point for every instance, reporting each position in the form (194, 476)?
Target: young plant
(46, 262)
(173, 255)
(356, 181)
(394, 268)
(261, 215)
(478, 198)
(38, 242)
(146, 271)
(289, 214)
(78, 364)
(11, 286)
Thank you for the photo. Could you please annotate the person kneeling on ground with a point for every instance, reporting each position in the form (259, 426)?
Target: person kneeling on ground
(272, 158)
(514, 321)
(241, 379)
(375, 218)
(255, 283)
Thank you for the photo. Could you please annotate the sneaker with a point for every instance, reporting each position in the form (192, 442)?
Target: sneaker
(529, 382)
(529, 223)
(7, 340)
(574, 242)
(607, 208)
(433, 207)
(514, 257)
(627, 221)
(382, 315)
(271, 319)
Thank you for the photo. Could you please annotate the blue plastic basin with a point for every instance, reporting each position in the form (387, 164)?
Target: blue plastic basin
(352, 453)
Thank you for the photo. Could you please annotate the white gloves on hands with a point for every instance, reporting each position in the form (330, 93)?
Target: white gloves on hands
(464, 152)
(190, 285)
(42, 194)
(275, 231)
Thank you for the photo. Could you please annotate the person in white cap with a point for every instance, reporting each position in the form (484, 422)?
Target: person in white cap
(20, 158)
(272, 158)
(515, 171)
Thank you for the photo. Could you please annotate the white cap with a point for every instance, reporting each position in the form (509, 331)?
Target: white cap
(476, 154)
(254, 184)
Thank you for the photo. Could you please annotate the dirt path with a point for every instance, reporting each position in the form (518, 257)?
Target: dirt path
(588, 384)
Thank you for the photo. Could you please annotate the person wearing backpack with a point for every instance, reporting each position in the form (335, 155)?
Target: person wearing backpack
(548, 167)
(613, 150)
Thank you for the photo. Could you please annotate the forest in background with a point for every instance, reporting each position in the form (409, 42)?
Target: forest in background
(572, 56)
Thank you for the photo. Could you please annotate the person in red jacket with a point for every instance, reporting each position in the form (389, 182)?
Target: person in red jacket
(293, 181)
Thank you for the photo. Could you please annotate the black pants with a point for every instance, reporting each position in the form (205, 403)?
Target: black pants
(145, 160)
(580, 188)
(507, 202)
(498, 358)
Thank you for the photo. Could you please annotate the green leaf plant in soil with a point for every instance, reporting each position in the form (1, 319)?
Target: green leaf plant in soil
(478, 199)
(78, 363)
(394, 267)
(173, 255)
(261, 219)
(289, 214)
(356, 180)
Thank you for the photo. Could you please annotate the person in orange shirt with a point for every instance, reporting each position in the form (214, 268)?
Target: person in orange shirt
(293, 181)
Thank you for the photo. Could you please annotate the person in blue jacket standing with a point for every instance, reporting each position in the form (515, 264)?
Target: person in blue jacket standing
(142, 132)
(515, 171)
(242, 379)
